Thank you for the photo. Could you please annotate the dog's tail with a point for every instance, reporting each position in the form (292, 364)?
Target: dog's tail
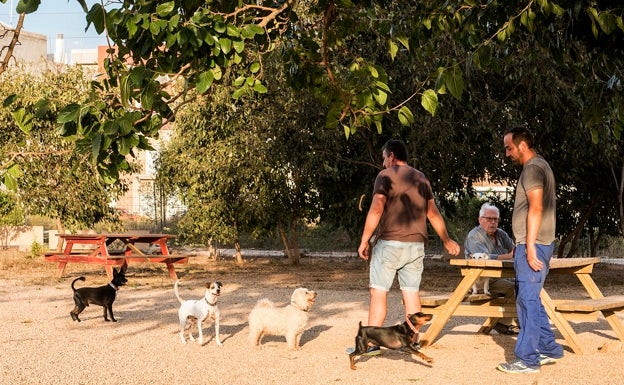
(74, 281)
(265, 302)
(175, 290)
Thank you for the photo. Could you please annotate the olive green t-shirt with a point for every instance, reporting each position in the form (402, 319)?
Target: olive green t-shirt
(536, 174)
(407, 192)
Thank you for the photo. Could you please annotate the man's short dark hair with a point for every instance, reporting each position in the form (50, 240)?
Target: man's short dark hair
(520, 134)
(397, 147)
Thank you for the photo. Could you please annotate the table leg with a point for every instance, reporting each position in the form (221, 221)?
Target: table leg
(615, 322)
(61, 269)
(109, 271)
(488, 325)
(172, 272)
(589, 285)
(562, 324)
(447, 310)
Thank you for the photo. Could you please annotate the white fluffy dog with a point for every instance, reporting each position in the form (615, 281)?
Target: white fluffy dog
(200, 310)
(485, 281)
(289, 321)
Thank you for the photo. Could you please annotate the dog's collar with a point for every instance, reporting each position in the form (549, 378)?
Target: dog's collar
(113, 286)
(211, 304)
(297, 307)
(411, 325)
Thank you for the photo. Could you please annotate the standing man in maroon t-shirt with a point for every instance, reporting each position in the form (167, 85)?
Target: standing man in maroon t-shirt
(402, 202)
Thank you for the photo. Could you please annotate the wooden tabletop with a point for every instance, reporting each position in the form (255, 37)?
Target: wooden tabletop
(555, 263)
(116, 235)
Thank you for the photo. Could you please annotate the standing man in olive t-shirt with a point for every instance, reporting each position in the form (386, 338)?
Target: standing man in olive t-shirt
(533, 224)
(402, 203)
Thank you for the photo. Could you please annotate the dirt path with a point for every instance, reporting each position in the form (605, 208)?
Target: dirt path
(40, 343)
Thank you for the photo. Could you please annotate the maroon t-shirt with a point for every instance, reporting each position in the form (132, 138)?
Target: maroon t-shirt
(407, 192)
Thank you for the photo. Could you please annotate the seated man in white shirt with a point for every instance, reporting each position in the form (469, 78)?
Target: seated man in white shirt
(497, 244)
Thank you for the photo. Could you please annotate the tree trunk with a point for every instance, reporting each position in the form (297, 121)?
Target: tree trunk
(290, 241)
(61, 230)
(573, 236)
(284, 238)
(594, 241)
(619, 183)
(238, 256)
(295, 252)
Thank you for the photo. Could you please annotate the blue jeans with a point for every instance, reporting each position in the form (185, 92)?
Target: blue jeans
(536, 336)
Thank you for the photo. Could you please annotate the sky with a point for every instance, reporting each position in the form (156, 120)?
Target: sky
(56, 17)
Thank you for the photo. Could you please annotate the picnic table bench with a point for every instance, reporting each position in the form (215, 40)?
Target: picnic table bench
(560, 312)
(93, 249)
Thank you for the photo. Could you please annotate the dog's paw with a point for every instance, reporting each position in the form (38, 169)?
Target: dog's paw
(486, 292)
(219, 343)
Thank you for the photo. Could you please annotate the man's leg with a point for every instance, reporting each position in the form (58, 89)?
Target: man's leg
(529, 284)
(505, 288)
(411, 299)
(378, 307)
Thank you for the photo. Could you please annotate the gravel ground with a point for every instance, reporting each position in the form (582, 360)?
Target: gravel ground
(40, 343)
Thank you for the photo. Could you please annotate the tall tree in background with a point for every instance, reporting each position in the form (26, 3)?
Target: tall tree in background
(484, 56)
(54, 180)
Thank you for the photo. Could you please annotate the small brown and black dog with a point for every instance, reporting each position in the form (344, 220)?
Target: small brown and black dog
(403, 336)
(102, 295)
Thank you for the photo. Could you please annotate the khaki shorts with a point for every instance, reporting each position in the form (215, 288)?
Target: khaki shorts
(391, 258)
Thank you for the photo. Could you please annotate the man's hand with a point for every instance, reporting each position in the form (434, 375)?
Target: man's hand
(452, 247)
(534, 262)
(363, 250)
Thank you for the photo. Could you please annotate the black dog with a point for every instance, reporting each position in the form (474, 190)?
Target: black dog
(103, 295)
(403, 336)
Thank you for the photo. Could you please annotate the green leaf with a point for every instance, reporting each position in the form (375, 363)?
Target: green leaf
(225, 44)
(69, 113)
(97, 17)
(429, 101)
(9, 100)
(238, 93)
(165, 9)
(239, 81)
(217, 73)
(259, 87)
(255, 67)
(380, 97)
(27, 6)
(404, 40)
(454, 81)
(378, 125)
(23, 119)
(95, 146)
(232, 30)
(204, 81)
(12, 174)
(258, 30)
(406, 118)
(239, 46)
(393, 49)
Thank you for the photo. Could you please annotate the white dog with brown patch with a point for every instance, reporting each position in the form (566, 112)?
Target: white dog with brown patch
(289, 321)
(200, 310)
(481, 281)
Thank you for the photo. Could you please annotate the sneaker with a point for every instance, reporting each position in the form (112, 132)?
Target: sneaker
(547, 360)
(516, 366)
(372, 351)
(506, 329)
